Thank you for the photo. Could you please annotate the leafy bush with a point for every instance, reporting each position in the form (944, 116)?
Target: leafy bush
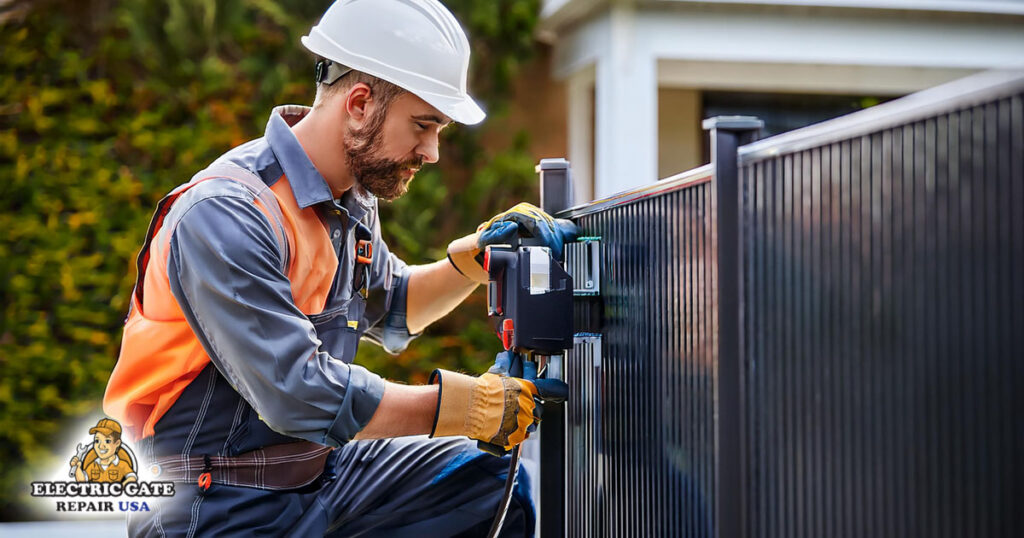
(108, 105)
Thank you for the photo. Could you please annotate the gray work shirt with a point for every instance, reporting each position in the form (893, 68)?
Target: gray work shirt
(225, 271)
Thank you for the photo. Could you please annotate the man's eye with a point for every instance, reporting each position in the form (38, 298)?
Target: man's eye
(421, 125)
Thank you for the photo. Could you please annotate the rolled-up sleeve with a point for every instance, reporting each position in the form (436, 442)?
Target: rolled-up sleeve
(385, 314)
(224, 270)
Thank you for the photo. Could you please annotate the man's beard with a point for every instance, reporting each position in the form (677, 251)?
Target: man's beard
(378, 175)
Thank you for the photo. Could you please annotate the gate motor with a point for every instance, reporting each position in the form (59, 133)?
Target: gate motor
(530, 300)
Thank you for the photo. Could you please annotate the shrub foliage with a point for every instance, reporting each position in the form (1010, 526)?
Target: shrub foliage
(107, 105)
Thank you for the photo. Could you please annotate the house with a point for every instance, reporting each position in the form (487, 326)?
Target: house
(629, 81)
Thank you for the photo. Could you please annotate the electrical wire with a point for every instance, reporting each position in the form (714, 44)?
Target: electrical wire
(513, 471)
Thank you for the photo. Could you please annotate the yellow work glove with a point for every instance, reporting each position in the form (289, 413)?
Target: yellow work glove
(524, 220)
(492, 408)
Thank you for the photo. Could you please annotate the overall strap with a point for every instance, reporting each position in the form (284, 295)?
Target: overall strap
(262, 191)
(221, 169)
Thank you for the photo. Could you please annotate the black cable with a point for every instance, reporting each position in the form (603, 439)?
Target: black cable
(513, 470)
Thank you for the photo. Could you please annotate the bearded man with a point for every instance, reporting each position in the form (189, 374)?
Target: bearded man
(260, 276)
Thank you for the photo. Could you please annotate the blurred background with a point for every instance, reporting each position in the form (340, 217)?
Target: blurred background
(107, 105)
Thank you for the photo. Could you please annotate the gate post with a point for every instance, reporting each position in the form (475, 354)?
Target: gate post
(728, 133)
(555, 195)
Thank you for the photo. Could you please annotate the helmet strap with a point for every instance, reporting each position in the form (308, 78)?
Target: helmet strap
(328, 72)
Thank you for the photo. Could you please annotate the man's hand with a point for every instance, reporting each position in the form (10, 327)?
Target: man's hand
(501, 407)
(524, 220)
(512, 364)
(492, 408)
(527, 220)
(76, 469)
(548, 390)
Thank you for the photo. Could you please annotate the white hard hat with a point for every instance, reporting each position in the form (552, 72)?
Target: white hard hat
(415, 44)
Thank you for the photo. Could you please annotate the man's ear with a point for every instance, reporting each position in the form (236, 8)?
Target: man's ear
(358, 104)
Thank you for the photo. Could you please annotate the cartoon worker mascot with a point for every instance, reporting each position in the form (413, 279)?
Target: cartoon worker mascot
(106, 459)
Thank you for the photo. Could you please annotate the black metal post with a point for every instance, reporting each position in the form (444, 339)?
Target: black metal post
(556, 191)
(727, 134)
(555, 195)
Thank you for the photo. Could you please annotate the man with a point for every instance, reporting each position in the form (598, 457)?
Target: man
(104, 461)
(259, 277)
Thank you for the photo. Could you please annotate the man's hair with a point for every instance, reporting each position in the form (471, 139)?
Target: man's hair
(382, 91)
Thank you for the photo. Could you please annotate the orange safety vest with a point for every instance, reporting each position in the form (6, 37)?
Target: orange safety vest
(160, 354)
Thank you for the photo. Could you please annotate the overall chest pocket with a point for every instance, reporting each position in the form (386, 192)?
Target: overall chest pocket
(339, 329)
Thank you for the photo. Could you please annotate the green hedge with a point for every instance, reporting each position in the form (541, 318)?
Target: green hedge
(107, 105)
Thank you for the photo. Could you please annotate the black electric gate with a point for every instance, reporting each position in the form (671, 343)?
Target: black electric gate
(883, 322)
(640, 438)
(819, 334)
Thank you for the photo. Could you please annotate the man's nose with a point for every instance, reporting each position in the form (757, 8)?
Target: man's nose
(428, 148)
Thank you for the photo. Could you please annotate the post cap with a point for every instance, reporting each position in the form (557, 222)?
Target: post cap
(552, 164)
(733, 123)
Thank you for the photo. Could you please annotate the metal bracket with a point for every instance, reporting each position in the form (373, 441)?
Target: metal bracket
(587, 348)
(583, 262)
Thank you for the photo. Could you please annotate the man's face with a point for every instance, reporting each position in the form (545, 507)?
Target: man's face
(105, 445)
(385, 153)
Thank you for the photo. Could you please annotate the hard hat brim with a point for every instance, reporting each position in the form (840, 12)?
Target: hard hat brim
(104, 431)
(461, 108)
(467, 112)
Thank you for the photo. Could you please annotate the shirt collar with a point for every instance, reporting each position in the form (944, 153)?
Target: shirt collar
(308, 186)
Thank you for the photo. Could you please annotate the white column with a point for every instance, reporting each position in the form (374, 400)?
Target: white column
(580, 93)
(626, 137)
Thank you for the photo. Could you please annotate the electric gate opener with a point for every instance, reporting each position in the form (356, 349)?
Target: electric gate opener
(529, 296)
